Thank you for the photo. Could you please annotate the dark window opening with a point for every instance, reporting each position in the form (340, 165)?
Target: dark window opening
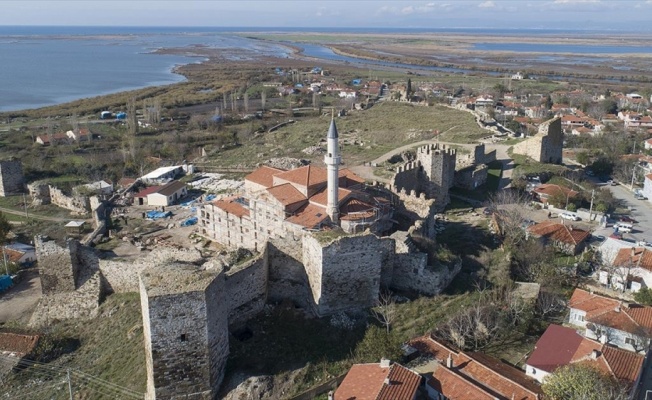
(183, 337)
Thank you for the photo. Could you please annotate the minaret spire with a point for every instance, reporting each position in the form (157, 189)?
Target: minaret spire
(332, 161)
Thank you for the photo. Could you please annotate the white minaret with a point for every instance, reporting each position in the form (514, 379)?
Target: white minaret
(332, 161)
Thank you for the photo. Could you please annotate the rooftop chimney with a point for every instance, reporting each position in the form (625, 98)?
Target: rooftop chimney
(449, 361)
(384, 363)
(387, 381)
(595, 354)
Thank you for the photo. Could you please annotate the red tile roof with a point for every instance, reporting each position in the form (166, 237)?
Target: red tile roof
(286, 194)
(307, 176)
(264, 176)
(635, 257)
(632, 318)
(559, 232)
(13, 255)
(15, 343)
(147, 191)
(625, 365)
(403, 384)
(368, 382)
(486, 373)
(355, 209)
(548, 190)
(321, 197)
(309, 216)
(232, 206)
(455, 386)
(560, 346)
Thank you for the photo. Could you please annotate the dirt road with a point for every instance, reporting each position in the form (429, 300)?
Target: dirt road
(18, 302)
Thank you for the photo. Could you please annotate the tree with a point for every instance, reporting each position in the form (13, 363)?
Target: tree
(549, 303)
(582, 382)
(644, 296)
(5, 228)
(408, 91)
(263, 100)
(583, 157)
(377, 344)
(548, 104)
(385, 310)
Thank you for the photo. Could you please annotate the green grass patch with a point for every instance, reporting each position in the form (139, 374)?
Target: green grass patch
(524, 165)
(109, 347)
(494, 175)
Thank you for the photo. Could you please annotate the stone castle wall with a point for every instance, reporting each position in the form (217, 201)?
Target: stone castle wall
(58, 266)
(471, 177)
(546, 146)
(343, 274)
(287, 275)
(413, 274)
(186, 334)
(122, 276)
(408, 178)
(12, 180)
(43, 193)
(246, 286)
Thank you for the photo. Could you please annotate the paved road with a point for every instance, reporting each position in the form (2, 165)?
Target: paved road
(18, 302)
(641, 211)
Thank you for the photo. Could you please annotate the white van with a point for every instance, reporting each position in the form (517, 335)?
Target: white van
(624, 227)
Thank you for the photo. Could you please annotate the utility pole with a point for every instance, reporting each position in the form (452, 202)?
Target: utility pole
(591, 207)
(4, 258)
(25, 205)
(631, 186)
(69, 384)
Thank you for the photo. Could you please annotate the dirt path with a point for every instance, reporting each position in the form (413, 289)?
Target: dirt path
(18, 302)
(33, 216)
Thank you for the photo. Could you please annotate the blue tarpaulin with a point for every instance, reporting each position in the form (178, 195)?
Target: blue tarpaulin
(5, 282)
(189, 221)
(210, 197)
(158, 214)
(187, 203)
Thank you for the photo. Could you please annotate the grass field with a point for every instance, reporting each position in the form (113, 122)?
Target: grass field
(365, 134)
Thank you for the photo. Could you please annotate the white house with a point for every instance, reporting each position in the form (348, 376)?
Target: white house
(517, 76)
(611, 321)
(20, 253)
(626, 266)
(165, 195)
(348, 94)
(560, 346)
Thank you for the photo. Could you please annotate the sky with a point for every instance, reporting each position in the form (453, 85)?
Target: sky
(635, 15)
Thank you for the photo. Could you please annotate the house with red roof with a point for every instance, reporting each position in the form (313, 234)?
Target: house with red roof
(162, 195)
(547, 190)
(611, 321)
(566, 238)
(379, 381)
(560, 346)
(460, 375)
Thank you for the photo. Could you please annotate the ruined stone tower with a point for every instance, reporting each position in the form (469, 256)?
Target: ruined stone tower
(332, 160)
(11, 177)
(438, 163)
(185, 324)
(546, 146)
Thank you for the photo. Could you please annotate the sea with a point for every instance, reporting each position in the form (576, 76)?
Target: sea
(47, 65)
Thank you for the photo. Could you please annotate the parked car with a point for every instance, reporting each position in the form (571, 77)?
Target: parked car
(612, 182)
(569, 216)
(627, 220)
(616, 235)
(598, 238)
(640, 197)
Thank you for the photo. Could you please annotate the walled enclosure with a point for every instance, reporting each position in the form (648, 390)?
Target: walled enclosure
(43, 193)
(186, 330)
(12, 180)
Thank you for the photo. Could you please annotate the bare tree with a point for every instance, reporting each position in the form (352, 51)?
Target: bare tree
(385, 310)
(246, 102)
(225, 104)
(549, 303)
(132, 118)
(263, 100)
(509, 208)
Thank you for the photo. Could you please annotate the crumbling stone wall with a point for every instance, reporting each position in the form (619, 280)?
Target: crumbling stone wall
(122, 276)
(343, 274)
(246, 285)
(287, 275)
(12, 180)
(412, 273)
(58, 266)
(546, 146)
(471, 177)
(185, 327)
(44, 193)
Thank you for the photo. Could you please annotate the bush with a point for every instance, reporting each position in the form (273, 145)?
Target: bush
(644, 296)
(572, 207)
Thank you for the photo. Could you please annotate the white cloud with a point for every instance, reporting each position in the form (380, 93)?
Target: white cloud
(487, 4)
(407, 10)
